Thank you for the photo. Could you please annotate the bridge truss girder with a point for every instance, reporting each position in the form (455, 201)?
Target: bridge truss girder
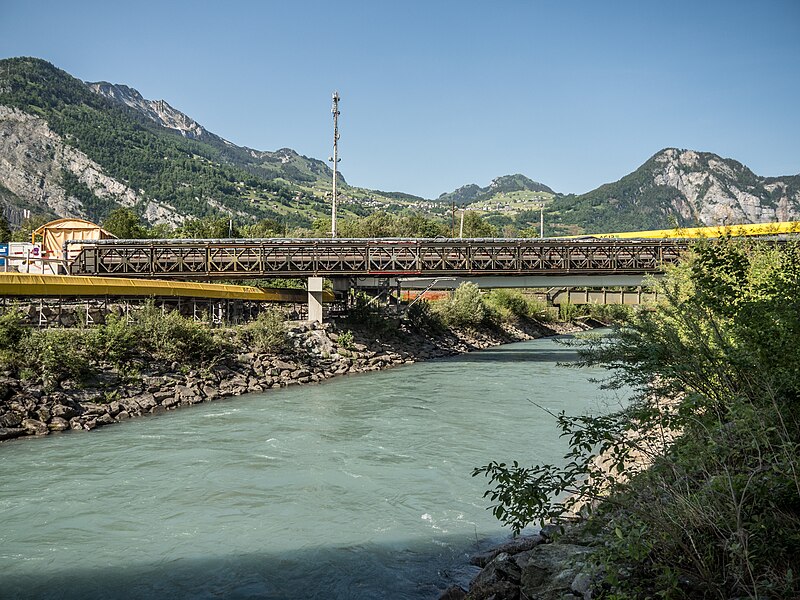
(237, 259)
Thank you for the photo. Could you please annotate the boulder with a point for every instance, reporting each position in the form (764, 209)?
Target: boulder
(34, 427)
(512, 547)
(146, 402)
(64, 412)
(7, 433)
(549, 570)
(11, 419)
(104, 419)
(58, 424)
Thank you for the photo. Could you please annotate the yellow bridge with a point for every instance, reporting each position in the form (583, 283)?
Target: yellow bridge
(35, 286)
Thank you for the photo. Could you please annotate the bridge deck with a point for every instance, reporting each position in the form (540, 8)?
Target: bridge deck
(237, 258)
(30, 285)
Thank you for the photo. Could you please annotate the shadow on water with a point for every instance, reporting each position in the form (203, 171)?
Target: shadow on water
(511, 354)
(401, 570)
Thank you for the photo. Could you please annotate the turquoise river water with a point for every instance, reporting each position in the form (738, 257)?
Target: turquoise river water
(356, 488)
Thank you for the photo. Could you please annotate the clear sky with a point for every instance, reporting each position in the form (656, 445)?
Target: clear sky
(438, 94)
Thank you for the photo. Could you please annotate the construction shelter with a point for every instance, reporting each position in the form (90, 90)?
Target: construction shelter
(51, 237)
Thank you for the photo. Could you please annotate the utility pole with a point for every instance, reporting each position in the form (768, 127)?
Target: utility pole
(335, 158)
(541, 220)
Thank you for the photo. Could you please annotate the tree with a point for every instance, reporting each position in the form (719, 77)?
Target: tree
(5, 230)
(715, 377)
(28, 226)
(208, 227)
(476, 227)
(125, 224)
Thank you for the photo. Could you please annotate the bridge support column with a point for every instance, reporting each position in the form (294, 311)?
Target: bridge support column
(315, 299)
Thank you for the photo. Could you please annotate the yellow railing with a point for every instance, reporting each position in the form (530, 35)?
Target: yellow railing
(708, 232)
(31, 285)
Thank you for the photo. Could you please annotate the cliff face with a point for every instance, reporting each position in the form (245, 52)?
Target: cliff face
(33, 163)
(717, 191)
(158, 111)
(684, 188)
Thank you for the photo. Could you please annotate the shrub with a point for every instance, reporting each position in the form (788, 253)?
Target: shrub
(13, 326)
(422, 316)
(716, 393)
(346, 340)
(56, 354)
(568, 311)
(464, 308)
(510, 305)
(366, 314)
(170, 336)
(267, 333)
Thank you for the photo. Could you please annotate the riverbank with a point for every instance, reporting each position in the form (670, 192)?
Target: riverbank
(314, 353)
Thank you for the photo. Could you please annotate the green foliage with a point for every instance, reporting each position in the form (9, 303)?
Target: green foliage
(464, 308)
(55, 354)
(346, 340)
(423, 317)
(170, 336)
(715, 372)
(208, 227)
(13, 326)
(384, 224)
(265, 228)
(5, 230)
(610, 313)
(366, 314)
(125, 224)
(513, 305)
(567, 311)
(267, 333)
(476, 227)
(29, 225)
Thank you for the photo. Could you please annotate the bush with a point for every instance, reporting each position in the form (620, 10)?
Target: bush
(265, 334)
(170, 336)
(610, 313)
(464, 308)
(56, 354)
(510, 305)
(13, 326)
(513, 305)
(114, 341)
(715, 373)
(422, 316)
(367, 314)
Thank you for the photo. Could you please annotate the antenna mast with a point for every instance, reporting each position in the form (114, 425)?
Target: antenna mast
(335, 158)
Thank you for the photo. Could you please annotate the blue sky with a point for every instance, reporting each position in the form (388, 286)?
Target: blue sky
(436, 95)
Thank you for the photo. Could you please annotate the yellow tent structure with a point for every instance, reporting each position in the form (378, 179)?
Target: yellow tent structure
(52, 235)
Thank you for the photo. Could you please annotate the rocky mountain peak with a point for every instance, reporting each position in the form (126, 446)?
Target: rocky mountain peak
(158, 111)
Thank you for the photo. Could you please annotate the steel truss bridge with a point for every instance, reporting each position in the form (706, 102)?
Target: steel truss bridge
(381, 257)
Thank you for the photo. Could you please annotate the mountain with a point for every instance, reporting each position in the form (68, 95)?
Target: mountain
(285, 163)
(679, 188)
(68, 148)
(472, 193)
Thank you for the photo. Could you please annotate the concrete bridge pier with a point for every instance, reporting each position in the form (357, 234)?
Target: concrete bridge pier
(315, 299)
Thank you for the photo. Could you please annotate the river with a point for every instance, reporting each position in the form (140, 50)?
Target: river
(356, 488)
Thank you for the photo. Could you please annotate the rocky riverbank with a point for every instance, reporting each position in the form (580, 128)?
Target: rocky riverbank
(318, 352)
(544, 566)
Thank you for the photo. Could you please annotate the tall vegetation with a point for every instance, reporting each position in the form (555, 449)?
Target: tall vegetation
(715, 375)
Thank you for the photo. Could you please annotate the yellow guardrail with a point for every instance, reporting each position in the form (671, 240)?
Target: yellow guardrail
(783, 227)
(32, 285)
